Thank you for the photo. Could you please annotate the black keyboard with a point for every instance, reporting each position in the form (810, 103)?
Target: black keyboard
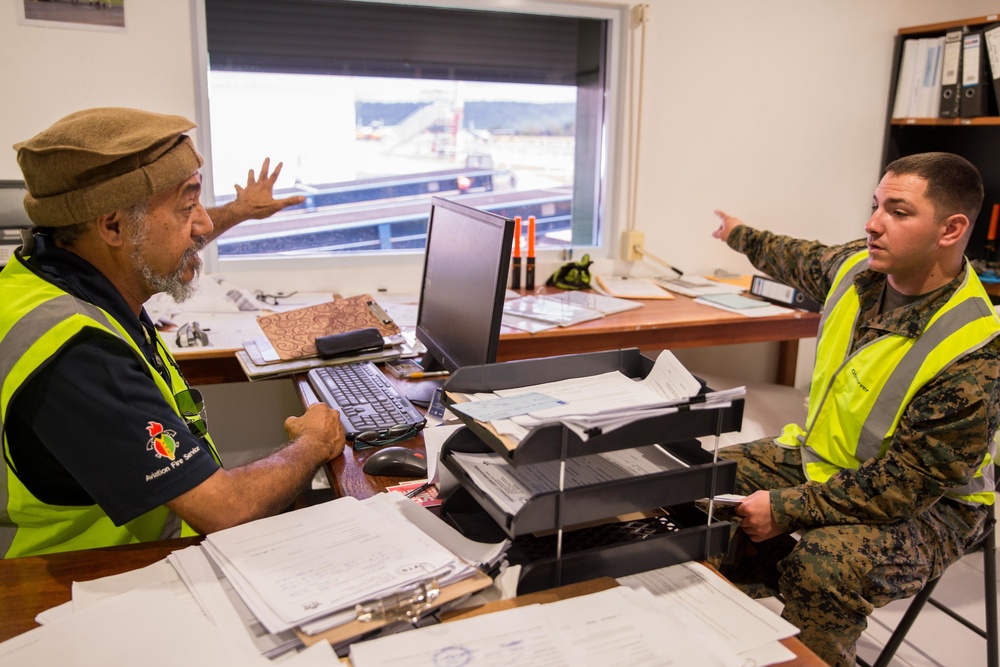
(366, 399)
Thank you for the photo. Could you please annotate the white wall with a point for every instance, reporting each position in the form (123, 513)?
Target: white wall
(772, 110)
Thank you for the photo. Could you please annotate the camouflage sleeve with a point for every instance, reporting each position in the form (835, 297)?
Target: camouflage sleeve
(939, 445)
(808, 266)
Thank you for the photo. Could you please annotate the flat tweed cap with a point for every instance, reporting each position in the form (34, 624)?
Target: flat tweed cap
(98, 161)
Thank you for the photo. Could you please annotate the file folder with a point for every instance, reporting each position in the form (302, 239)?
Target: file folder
(782, 294)
(951, 75)
(991, 36)
(976, 97)
(905, 80)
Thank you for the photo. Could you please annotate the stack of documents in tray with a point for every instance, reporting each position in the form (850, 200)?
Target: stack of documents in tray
(596, 404)
(511, 488)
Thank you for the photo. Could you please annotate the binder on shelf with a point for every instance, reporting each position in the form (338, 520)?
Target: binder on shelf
(928, 99)
(951, 74)
(991, 36)
(976, 97)
(782, 294)
(905, 79)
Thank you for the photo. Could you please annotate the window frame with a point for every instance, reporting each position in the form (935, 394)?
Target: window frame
(406, 265)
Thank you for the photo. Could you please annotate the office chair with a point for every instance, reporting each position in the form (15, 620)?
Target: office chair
(988, 545)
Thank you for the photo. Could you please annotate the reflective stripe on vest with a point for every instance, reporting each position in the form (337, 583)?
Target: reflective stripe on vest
(857, 399)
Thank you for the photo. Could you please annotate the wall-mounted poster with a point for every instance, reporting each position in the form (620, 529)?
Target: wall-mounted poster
(76, 14)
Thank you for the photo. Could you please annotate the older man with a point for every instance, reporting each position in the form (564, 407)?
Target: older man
(104, 443)
(888, 478)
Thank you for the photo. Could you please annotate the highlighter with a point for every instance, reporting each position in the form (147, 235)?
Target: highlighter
(515, 269)
(529, 271)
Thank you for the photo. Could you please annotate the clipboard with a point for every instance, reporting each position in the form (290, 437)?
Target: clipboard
(404, 607)
(293, 333)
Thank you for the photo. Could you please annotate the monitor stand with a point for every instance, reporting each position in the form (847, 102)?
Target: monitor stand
(422, 392)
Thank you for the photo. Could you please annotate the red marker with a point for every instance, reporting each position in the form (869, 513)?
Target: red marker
(515, 269)
(529, 272)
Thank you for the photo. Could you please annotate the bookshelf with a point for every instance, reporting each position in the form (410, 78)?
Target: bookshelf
(977, 139)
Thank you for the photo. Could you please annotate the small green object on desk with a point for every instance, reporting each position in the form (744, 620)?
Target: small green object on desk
(572, 275)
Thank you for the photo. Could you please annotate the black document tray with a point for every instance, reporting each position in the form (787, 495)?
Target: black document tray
(547, 442)
(554, 509)
(608, 550)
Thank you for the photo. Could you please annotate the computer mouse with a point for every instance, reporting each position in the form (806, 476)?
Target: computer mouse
(396, 462)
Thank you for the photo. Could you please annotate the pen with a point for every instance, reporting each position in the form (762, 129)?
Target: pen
(529, 271)
(515, 269)
(426, 374)
(420, 489)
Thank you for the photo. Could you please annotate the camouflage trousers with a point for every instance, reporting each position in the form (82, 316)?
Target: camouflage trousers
(833, 577)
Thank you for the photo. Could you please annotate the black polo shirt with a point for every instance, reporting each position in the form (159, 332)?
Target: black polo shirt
(79, 431)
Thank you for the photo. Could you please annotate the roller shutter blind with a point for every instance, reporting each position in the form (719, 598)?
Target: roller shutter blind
(335, 37)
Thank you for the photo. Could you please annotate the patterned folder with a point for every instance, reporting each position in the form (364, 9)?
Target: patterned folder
(293, 333)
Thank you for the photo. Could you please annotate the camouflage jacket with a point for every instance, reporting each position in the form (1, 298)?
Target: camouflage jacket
(943, 435)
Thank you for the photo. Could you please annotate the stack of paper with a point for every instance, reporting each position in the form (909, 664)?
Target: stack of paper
(309, 568)
(619, 626)
(624, 287)
(595, 404)
(511, 488)
(695, 286)
(537, 313)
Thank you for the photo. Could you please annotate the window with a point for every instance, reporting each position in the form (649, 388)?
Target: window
(375, 107)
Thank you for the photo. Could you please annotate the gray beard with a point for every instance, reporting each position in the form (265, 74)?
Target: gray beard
(173, 283)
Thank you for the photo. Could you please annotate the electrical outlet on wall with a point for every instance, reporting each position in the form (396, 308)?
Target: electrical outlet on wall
(633, 241)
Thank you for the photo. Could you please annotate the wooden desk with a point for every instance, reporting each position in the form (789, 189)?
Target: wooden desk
(36, 583)
(659, 324)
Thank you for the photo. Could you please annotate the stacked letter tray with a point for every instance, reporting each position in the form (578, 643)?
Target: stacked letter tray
(594, 542)
(676, 535)
(554, 441)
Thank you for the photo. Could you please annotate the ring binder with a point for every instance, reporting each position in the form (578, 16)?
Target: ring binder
(407, 605)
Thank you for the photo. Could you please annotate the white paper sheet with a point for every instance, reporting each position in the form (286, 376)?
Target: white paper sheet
(146, 626)
(299, 566)
(742, 623)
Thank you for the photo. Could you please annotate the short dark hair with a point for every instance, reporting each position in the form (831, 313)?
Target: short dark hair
(953, 183)
(67, 235)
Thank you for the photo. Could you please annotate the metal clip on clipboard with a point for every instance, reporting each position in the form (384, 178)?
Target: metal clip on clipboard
(377, 310)
(407, 605)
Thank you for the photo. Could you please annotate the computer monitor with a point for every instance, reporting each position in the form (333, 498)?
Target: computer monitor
(12, 218)
(12, 213)
(461, 297)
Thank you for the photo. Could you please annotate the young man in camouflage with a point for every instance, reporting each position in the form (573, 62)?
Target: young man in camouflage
(888, 480)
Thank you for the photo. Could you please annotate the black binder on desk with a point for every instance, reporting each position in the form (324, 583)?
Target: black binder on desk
(951, 74)
(991, 37)
(977, 99)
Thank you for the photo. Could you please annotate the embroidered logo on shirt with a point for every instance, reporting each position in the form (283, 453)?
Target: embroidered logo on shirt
(161, 441)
